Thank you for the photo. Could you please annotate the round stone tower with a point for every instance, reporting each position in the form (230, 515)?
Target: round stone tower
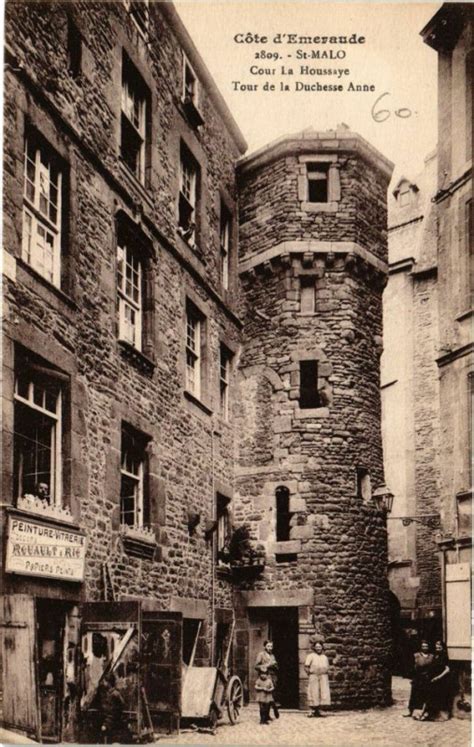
(313, 264)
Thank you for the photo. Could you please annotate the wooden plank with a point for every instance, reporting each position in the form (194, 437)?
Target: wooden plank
(17, 649)
(191, 661)
(229, 646)
(198, 692)
(124, 641)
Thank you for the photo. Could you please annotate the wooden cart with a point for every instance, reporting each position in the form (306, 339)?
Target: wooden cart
(209, 691)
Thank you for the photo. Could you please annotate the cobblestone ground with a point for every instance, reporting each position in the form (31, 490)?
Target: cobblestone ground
(372, 728)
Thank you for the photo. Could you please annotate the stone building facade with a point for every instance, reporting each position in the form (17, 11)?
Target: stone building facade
(161, 386)
(120, 305)
(427, 362)
(410, 395)
(450, 34)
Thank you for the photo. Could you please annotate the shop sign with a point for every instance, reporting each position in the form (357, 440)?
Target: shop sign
(37, 549)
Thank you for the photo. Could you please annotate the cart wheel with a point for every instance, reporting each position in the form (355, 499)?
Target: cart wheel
(235, 698)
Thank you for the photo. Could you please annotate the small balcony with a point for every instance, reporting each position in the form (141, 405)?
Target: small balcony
(242, 554)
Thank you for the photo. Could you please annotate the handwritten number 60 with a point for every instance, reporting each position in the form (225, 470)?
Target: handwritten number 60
(381, 115)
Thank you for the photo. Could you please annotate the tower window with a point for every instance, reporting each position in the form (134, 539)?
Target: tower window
(309, 395)
(317, 174)
(283, 516)
(364, 487)
(307, 295)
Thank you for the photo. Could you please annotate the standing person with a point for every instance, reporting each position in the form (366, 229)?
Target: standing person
(438, 706)
(317, 667)
(264, 688)
(112, 708)
(266, 659)
(419, 684)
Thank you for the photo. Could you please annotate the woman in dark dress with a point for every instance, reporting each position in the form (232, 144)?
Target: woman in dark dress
(266, 662)
(437, 706)
(420, 680)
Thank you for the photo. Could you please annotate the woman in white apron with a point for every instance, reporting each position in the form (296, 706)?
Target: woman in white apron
(317, 667)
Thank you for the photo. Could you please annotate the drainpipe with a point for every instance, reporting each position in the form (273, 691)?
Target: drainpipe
(213, 548)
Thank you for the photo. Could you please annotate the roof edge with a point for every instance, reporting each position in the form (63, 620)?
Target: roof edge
(169, 10)
(307, 141)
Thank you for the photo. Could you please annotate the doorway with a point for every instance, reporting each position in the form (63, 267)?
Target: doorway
(283, 631)
(279, 625)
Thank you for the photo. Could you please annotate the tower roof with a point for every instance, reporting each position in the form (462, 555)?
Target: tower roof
(340, 140)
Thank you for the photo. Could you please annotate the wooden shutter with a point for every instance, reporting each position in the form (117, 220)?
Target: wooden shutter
(18, 651)
(458, 610)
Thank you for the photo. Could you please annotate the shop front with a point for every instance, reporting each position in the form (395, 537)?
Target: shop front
(56, 649)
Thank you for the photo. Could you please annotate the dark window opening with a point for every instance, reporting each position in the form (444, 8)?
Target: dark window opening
(286, 558)
(309, 395)
(283, 516)
(190, 633)
(74, 49)
(317, 182)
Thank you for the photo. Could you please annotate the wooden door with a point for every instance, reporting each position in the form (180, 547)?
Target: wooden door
(19, 676)
(258, 633)
(161, 669)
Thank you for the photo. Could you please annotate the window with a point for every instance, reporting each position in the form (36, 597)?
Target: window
(74, 49)
(223, 526)
(364, 487)
(42, 205)
(317, 174)
(307, 295)
(135, 99)
(190, 84)
(404, 196)
(37, 433)
(225, 367)
(132, 478)
(129, 292)
(469, 253)
(188, 191)
(309, 395)
(139, 10)
(194, 324)
(283, 516)
(225, 234)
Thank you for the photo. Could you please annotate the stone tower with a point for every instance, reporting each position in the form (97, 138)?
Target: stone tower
(313, 264)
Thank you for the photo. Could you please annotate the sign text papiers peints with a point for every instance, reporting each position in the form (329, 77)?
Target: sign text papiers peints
(35, 548)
